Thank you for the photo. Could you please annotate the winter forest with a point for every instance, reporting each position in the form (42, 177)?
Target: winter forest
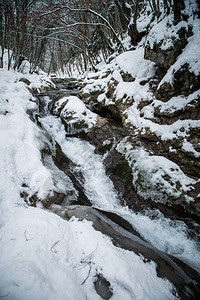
(99, 149)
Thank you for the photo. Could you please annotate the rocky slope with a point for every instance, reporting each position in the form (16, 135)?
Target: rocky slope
(148, 99)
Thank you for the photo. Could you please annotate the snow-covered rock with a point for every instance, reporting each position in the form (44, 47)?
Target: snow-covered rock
(74, 114)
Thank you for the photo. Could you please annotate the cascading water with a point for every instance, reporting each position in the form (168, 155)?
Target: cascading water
(71, 130)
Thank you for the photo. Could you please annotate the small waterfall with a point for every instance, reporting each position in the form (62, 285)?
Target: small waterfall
(71, 129)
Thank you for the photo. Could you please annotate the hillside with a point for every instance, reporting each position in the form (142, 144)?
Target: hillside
(153, 91)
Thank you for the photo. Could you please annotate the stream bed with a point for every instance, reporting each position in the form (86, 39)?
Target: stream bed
(80, 168)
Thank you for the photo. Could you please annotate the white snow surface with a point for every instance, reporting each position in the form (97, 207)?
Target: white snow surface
(131, 62)
(163, 33)
(167, 236)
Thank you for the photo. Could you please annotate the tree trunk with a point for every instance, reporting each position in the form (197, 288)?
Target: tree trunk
(177, 7)
(1, 36)
(132, 31)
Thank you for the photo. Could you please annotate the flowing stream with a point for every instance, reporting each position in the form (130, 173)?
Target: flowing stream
(88, 173)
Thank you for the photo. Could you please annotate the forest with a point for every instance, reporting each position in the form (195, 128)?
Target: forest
(53, 34)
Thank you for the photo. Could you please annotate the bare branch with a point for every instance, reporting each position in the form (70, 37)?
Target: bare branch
(55, 39)
(101, 17)
(92, 12)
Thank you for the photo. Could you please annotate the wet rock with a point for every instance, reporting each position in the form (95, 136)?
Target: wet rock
(67, 83)
(119, 221)
(143, 82)
(30, 200)
(127, 77)
(110, 129)
(69, 168)
(120, 173)
(190, 111)
(175, 143)
(102, 287)
(110, 112)
(67, 198)
(91, 95)
(105, 134)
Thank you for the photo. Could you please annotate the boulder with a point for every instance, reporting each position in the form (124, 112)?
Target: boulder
(74, 114)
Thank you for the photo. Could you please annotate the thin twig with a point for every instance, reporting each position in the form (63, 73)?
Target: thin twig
(90, 264)
(26, 237)
(94, 250)
(54, 251)
(87, 275)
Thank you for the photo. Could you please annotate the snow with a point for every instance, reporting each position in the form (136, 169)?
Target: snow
(156, 168)
(25, 150)
(52, 259)
(102, 195)
(144, 20)
(155, 171)
(175, 103)
(95, 85)
(75, 112)
(131, 62)
(188, 147)
(164, 132)
(164, 34)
